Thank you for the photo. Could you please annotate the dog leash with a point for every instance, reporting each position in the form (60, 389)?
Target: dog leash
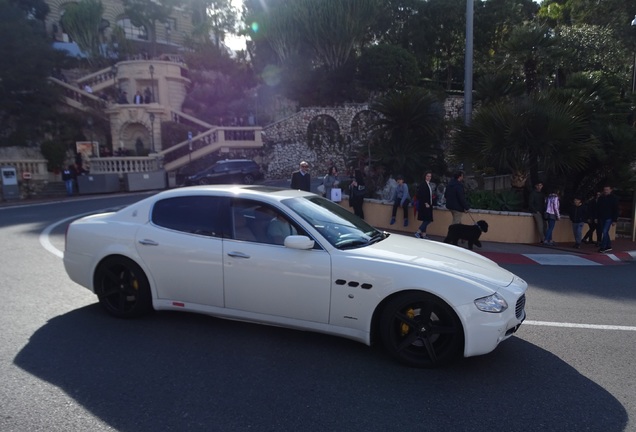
(471, 216)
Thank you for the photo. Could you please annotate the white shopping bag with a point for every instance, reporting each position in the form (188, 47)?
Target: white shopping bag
(336, 194)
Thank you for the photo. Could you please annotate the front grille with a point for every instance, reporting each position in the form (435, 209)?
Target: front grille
(521, 304)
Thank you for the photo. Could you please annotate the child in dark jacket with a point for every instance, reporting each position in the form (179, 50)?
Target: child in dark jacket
(578, 216)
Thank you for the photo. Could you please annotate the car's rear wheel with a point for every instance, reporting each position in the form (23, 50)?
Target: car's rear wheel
(248, 179)
(204, 181)
(122, 288)
(421, 330)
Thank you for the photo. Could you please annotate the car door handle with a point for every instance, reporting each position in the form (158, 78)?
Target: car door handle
(147, 242)
(238, 255)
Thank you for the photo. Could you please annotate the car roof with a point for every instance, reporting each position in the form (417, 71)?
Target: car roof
(234, 160)
(266, 193)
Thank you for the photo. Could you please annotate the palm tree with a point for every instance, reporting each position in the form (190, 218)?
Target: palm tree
(526, 136)
(82, 22)
(408, 132)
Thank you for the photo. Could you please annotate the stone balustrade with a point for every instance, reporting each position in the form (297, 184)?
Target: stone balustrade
(98, 80)
(36, 167)
(123, 165)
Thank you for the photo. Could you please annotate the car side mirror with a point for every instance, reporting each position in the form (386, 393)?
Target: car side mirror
(299, 242)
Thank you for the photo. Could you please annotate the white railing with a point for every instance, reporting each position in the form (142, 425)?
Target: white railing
(36, 167)
(123, 165)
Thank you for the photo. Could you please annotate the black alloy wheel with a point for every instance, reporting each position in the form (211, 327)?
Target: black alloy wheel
(122, 288)
(248, 179)
(421, 330)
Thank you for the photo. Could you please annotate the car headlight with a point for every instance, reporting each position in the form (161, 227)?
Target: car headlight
(493, 303)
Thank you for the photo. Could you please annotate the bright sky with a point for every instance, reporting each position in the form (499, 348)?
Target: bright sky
(234, 42)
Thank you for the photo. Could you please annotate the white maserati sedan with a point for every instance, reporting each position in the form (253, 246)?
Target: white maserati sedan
(294, 259)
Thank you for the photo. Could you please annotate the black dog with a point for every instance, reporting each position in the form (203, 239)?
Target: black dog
(470, 233)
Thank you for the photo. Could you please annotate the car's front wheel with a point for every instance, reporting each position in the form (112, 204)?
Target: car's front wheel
(204, 181)
(248, 179)
(122, 288)
(421, 330)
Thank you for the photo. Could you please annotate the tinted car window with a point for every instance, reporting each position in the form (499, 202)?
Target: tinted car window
(203, 215)
(256, 222)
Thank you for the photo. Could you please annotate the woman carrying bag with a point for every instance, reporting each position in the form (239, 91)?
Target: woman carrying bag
(331, 183)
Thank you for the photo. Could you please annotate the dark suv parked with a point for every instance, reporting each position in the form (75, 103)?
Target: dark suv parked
(229, 171)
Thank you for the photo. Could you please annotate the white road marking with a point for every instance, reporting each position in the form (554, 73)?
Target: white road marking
(45, 237)
(560, 259)
(576, 325)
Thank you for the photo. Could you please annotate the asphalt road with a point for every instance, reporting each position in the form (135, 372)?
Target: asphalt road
(67, 366)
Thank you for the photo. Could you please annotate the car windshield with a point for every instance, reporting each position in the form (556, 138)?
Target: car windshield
(340, 227)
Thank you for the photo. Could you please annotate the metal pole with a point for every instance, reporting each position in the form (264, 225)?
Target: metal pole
(468, 67)
(634, 74)
(152, 133)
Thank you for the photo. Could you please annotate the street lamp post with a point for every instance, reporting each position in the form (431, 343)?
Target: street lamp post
(151, 68)
(634, 65)
(152, 133)
(89, 121)
(113, 71)
(468, 65)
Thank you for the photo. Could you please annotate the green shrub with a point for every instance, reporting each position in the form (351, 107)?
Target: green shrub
(499, 201)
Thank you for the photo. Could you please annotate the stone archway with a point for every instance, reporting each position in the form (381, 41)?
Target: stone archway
(134, 137)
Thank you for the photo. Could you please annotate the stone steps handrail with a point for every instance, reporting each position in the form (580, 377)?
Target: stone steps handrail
(98, 80)
(78, 98)
(183, 118)
(210, 141)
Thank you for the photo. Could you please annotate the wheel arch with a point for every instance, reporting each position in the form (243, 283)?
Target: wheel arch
(377, 312)
(124, 257)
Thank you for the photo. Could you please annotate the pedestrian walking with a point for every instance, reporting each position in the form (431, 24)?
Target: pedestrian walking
(301, 179)
(553, 214)
(424, 205)
(456, 197)
(536, 205)
(607, 215)
(578, 216)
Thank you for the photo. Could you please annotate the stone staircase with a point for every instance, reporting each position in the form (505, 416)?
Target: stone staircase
(53, 189)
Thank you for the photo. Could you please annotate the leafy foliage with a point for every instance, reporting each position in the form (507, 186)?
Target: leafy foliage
(408, 132)
(385, 67)
(499, 201)
(25, 94)
(527, 136)
(82, 22)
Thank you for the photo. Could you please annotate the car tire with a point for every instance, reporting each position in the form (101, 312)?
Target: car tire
(421, 330)
(248, 179)
(204, 181)
(122, 288)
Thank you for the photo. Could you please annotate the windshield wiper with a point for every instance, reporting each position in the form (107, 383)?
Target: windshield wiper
(379, 236)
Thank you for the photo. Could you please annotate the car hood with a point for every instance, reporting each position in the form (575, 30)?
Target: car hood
(439, 256)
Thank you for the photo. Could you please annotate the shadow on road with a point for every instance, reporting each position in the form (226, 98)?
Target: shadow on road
(174, 371)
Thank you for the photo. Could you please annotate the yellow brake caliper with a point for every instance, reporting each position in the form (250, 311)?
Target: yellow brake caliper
(405, 327)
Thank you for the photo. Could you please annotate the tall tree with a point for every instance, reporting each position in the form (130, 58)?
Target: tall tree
(524, 137)
(438, 34)
(530, 52)
(407, 133)
(82, 22)
(26, 98)
(147, 13)
(217, 17)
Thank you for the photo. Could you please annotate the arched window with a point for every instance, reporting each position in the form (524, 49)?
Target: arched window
(131, 31)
